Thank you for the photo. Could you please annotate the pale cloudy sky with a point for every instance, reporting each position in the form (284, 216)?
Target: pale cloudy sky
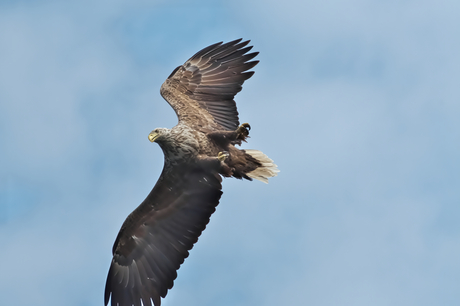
(356, 101)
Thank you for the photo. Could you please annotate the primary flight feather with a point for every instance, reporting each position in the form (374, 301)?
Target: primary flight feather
(155, 238)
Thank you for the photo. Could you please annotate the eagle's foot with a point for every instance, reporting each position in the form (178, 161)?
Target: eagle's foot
(225, 170)
(222, 156)
(243, 131)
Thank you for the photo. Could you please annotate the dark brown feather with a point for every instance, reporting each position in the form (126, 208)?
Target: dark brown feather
(156, 237)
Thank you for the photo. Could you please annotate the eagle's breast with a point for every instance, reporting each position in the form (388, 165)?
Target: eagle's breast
(182, 145)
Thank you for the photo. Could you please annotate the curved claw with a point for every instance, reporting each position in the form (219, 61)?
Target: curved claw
(246, 125)
(222, 156)
(244, 129)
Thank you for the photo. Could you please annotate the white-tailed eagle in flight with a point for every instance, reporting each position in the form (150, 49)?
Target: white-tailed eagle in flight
(158, 235)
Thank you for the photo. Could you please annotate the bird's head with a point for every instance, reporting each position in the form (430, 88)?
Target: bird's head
(159, 135)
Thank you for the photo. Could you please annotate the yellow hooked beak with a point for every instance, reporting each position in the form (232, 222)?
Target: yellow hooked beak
(153, 136)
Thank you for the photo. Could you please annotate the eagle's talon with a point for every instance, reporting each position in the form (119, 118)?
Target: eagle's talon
(246, 125)
(222, 156)
(244, 129)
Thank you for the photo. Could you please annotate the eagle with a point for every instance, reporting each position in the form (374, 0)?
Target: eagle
(157, 236)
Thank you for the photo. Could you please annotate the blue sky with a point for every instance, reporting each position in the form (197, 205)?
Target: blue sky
(357, 102)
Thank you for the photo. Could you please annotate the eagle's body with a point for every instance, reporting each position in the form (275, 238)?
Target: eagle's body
(181, 144)
(155, 238)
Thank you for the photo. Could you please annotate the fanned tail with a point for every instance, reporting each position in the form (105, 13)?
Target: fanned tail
(266, 170)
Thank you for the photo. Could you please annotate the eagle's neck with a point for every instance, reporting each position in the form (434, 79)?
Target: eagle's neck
(179, 145)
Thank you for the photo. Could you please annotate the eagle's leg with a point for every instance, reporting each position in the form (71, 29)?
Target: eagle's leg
(234, 137)
(216, 163)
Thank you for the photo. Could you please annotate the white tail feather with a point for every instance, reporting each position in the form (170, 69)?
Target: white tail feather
(268, 168)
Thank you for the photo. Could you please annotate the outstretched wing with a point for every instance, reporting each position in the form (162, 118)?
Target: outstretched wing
(156, 237)
(201, 91)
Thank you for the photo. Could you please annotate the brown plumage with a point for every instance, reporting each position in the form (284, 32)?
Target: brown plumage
(155, 238)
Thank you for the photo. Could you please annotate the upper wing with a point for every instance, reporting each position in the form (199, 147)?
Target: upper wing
(156, 237)
(201, 91)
